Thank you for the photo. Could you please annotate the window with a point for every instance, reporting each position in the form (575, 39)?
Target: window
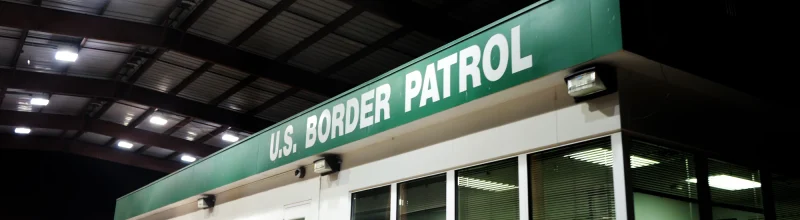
(489, 191)
(422, 199)
(371, 204)
(662, 190)
(787, 198)
(735, 191)
(574, 182)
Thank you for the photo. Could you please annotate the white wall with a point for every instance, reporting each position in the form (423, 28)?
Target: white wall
(527, 123)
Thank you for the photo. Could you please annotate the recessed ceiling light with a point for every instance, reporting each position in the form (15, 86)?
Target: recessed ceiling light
(65, 55)
(730, 183)
(604, 157)
(22, 130)
(124, 144)
(40, 101)
(229, 138)
(484, 184)
(188, 159)
(190, 138)
(156, 120)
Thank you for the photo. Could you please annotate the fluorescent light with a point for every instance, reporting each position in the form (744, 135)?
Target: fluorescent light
(728, 182)
(156, 120)
(484, 184)
(22, 130)
(229, 138)
(125, 144)
(187, 158)
(40, 101)
(65, 55)
(604, 157)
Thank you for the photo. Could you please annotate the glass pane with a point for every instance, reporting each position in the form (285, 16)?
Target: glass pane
(787, 198)
(422, 199)
(574, 182)
(371, 204)
(489, 191)
(734, 185)
(661, 187)
(720, 213)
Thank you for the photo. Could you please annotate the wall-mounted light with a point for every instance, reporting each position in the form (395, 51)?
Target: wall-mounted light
(327, 165)
(206, 201)
(22, 130)
(230, 138)
(188, 159)
(590, 82)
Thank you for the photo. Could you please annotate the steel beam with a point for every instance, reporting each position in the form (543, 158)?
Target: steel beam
(76, 24)
(77, 86)
(65, 122)
(88, 150)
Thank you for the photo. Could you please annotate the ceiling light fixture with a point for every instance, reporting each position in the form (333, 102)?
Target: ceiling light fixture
(156, 120)
(22, 130)
(40, 101)
(730, 183)
(124, 144)
(66, 55)
(604, 157)
(484, 184)
(229, 138)
(187, 158)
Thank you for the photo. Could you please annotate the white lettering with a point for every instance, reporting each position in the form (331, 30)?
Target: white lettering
(517, 63)
(366, 108)
(337, 122)
(274, 148)
(382, 94)
(499, 41)
(444, 64)
(287, 138)
(350, 125)
(311, 131)
(413, 81)
(468, 66)
(430, 88)
(323, 130)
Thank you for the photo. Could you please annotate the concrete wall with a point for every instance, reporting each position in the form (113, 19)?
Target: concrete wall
(528, 121)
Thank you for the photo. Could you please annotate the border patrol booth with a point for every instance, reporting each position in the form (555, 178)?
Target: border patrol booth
(485, 127)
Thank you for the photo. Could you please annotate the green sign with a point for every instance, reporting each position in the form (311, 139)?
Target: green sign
(538, 40)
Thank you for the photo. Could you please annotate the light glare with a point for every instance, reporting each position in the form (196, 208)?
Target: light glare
(68, 56)
(188, 159)
(22, 130)
(730, 183)
(156, 120)
(125, 144)
(40, 101)
(484, 184)
(604, 157)
(229, 138)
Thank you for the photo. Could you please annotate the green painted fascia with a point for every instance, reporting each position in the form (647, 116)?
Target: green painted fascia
(558, 34)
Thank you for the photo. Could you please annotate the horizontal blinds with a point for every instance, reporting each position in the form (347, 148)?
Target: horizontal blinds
(422, 199)
(574, 182)
(787, 200)
(489, 191)
(371, 204)
(734, 184)
(666, 173)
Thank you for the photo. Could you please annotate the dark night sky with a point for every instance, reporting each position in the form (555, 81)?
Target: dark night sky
(52, 185)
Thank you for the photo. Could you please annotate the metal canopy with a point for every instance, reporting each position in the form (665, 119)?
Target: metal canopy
(212, 68)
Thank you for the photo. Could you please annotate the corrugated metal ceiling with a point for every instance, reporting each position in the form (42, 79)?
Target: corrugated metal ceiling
(92, 7)
(94, 138)
(122, 113)
(207, 87)
(163, 76)
(194, 130)
(246, 99)
(144, 11)
(225, 71)
(323, 11)
(326, 52)
(416, 44)
(172, 119)
(226, 19)
(367, 28)
(157, 152)
(286, 108)
(270, 86)
(66, 105)
(280, 35)
(98, 64)
(377, 63)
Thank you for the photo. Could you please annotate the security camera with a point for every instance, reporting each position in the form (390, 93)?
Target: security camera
(300, 172)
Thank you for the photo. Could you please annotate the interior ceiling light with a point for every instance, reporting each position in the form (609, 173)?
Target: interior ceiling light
(229, 138)
(157, 120)
(22, 130)
(40, 101)
(188, 159)
(604, 157)
(484, 184)
(731, 183)
(124, 144)
(66, 55)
